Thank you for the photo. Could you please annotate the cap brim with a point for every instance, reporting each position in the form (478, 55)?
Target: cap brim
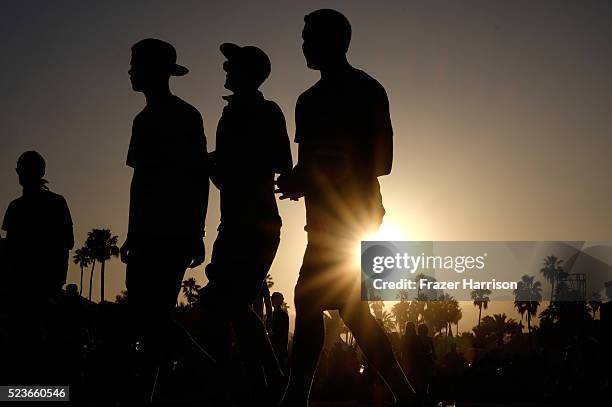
(229, 50)
(179, 70)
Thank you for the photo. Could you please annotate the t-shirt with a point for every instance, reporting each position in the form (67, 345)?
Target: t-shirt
(169, 190)
(252, 145)
(344, 131)
(38, 237)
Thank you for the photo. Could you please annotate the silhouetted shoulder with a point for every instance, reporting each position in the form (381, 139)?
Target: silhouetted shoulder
(46, 203)
(309, 94)
(274, 111)
(369, 84)
(188, 109)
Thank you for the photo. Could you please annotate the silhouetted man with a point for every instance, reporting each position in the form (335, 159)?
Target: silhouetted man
(252, 146)
(39, 237)
(168, 194)
(345, 142)
(279, 328)
(39, 234)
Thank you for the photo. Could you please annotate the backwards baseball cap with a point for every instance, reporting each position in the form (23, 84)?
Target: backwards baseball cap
(161, 54)
(249, 57)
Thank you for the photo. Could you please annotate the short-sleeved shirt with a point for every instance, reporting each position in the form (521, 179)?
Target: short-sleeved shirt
(340, 124)
(169, 190)
(252, 146)
(38, 237)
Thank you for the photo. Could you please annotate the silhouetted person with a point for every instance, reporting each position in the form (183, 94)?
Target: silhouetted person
(279, 328)
(411, 352)
(427, 359)
(39, 237)
(252, 146)
(168, 194)
(345, 142)
(39, 234)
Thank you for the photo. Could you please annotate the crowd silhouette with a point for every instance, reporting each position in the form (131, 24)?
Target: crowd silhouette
(230, 344)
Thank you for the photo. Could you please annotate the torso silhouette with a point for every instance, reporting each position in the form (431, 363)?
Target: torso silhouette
(168, 193)
(280, 331)
(39, 235)
(252, 145)
(340, 123)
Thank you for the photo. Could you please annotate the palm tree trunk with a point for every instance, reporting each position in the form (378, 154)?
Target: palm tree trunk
(102, 283)
(93, 265)
(81, 284)
(479, 313)
(528, 322)
(552, 292)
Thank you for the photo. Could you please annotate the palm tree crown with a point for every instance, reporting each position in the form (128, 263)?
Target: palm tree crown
(102, 246)
(82, 258)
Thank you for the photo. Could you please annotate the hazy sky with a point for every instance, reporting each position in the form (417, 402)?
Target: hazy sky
(502, 110)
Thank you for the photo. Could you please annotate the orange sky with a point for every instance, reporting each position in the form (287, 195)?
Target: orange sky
(501, 110)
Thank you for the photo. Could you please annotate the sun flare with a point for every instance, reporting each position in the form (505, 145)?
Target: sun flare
(388, 231)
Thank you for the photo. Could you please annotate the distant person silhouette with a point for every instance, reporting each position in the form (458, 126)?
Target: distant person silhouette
(252, 146)
(345, 142)
(168, 194)
(427, 359)
(39, 237)
(279, 329)
(39, 234)
(411, 352)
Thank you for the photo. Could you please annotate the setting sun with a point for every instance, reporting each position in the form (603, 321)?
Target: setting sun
(387, 232)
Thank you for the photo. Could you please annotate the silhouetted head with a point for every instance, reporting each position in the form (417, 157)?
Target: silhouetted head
(31, 169)
(410, 329)
(326, 35)
(423, 330)
(277, 299)
(153, 62)
(246, 67)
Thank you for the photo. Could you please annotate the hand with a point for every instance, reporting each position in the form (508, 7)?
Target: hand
(124, 252)
(287, 187)
(198, 253)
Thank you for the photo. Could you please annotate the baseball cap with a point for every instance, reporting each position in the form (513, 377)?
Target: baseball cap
(250, 57)
(161, 54)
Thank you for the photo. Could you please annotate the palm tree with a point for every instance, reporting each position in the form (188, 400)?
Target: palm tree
(416, 310)
(91, 272)
(377, 307)
(481, 300)
(452, 313)
(496, 327)
(527, 297)
(103, 246)
(190, 290)
(551, 269)
(400, 315)
(82, 258)
(388, 322)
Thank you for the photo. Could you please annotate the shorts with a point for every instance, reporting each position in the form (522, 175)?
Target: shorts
(330, 274)
(154, 275)
(239, 265)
